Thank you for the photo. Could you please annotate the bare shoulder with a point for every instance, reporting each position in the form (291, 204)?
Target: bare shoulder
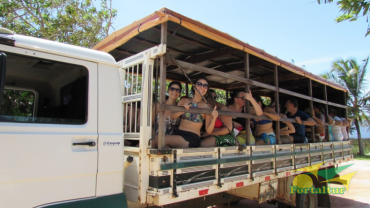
(183, 101)
(268, 109)
(203, 105)
(224, 108)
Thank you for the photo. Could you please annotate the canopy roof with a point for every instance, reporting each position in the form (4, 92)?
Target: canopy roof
(195, 42)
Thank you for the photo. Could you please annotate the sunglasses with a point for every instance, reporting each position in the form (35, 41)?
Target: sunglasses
(205, 85)
(178, 90)
(243, 98)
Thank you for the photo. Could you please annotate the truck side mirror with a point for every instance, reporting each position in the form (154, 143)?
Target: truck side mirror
(2, 75)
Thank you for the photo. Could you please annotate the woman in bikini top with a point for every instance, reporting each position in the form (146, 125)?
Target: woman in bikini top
(188, 133)
(263, 128)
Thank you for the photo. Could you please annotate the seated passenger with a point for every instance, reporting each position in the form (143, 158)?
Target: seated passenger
(170, 125)
(214, 97)
(286, 127)
(336, 122)
(222, 135)
(301, 118)
(344, 126)
(237, 103)
(263, 131)
(188, 133)
(317, 114)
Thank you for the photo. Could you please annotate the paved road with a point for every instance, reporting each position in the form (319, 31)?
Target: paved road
(358, 195)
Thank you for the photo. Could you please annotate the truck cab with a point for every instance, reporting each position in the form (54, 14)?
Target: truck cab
(61, 137)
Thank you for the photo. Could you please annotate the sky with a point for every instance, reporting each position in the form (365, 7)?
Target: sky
(303, 30)
(299, 30)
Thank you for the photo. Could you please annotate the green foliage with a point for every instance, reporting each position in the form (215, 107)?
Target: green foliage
(221, 96)
(266, 100)
(76, 22)
(17, 103)
(352, 9)
(355, 150)
(351, 75)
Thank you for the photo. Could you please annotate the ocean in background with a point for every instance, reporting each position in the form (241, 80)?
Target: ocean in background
(365, 133)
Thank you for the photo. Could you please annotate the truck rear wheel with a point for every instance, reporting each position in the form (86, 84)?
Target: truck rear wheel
(308, 200)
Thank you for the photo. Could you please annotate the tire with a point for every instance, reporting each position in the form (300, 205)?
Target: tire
(308, 200)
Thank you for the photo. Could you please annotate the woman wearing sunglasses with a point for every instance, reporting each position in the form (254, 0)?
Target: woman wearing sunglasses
(188, 133)
(237, 103)
(171, 125)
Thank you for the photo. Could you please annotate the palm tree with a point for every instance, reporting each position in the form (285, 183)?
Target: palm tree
(350, 74)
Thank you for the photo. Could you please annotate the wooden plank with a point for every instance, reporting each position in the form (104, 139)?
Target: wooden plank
(164, 107)
(162, 96)
(155, 44)
(311, 107)
(277, 103)
(221, 74)
(327, 113)
(174, 34)
(211, 55)
(246, 106)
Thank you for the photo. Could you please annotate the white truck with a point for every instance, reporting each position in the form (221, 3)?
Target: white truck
(63, 122)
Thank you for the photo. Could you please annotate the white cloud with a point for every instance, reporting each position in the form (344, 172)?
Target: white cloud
(362, 54)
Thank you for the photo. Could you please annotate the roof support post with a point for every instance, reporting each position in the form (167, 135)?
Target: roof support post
(162, 96)
(327, 136)
(277, 103)
(246, 106)
(346, 114)
(187, 88)
(311, 107)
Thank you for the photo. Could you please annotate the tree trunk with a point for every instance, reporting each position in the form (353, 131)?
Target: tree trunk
(360, 145)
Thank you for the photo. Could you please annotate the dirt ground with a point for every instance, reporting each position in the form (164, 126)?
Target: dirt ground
(357, 196)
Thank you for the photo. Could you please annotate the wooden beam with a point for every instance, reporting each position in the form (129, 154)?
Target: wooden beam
(247, 126)
(222, 74)
(162, 96)
(155, 44)
(277, 103)
(211, 55)
(189, 40)
(179, 77)
(282, 78)
(327, 135)
(311, 107)
(124, 52)
(164, 107)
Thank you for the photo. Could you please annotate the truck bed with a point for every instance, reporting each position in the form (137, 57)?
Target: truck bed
(176, 175)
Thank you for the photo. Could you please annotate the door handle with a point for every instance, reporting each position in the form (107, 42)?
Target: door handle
(91, 144)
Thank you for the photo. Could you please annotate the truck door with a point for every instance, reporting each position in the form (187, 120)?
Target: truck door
(48, 139)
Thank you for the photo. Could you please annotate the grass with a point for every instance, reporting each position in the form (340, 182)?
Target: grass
(355, 149)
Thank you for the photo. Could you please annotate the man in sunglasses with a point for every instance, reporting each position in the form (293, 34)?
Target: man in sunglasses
(301, 118)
